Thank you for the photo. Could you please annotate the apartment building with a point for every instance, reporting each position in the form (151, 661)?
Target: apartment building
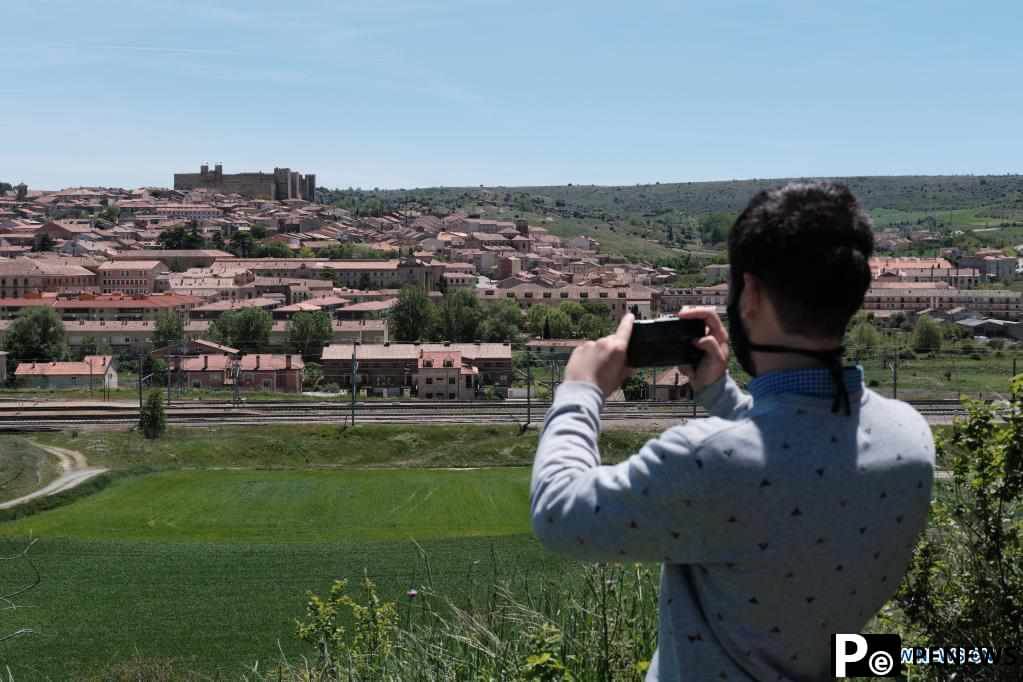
(445, 375)
(179, 259)
(25, 276)
(619, 300)
(130, 277)
(385, 274)
(102, 307)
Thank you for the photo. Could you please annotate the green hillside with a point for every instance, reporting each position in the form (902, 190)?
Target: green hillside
(670, 223)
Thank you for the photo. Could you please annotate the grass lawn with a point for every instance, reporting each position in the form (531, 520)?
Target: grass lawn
(23, 468)
(300, 446)
(945, 377)
(211, 567)
(281, 507)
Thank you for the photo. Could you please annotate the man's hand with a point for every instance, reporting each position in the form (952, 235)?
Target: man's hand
(715, 348)
(602, 362)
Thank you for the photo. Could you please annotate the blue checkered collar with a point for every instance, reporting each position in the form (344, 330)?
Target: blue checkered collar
(811, 381)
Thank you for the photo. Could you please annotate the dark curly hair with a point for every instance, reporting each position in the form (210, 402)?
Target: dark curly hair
(809, 243)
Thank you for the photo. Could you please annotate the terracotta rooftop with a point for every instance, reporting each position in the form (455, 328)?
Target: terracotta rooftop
(90, 365)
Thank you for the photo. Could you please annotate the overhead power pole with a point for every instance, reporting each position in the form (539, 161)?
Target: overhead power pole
(355, 381)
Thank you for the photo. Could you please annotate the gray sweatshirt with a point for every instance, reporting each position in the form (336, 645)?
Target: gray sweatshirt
(776, 522)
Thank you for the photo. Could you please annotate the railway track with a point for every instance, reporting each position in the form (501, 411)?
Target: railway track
(43, 416)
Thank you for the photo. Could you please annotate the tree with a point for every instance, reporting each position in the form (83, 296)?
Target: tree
(926, 335)
(864, 337)
(22, 192)
(536, 316)
(502, 322)
(413, 318)
(714, 227)
(965, 580)
(560, 323)
(309, 332)
(43, 242)
(5, 187)
(172, 238)
(241, 244)
(634, 388)
(364, 282)
(459, 316)
(36, 334)
(169, 329)
(312, 376)
(153, 419)
(180, 238)
(593, 326)
(274, 250)
(88, 347)
(248, 330)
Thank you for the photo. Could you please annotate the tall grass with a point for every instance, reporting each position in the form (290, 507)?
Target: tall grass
(598, 625)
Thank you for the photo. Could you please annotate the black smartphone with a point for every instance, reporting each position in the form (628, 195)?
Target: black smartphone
(666, 342)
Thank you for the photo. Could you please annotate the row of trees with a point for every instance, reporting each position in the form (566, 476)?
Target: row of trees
(252, 244)
(38, 334)
(925, 335)
(460, 316)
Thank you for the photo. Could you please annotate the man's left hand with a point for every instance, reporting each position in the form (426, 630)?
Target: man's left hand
(602, 362)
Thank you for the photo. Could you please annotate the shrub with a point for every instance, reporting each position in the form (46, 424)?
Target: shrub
(153, 419)
(965, 581)
(606, 629)
(926, 335)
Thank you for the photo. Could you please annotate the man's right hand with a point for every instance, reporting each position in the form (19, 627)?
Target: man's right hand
(714, 346)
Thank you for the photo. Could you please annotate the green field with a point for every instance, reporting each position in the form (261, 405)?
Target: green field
(207, 562)
(210, 568)
(302, 446)
(294, 507)
(23, 468)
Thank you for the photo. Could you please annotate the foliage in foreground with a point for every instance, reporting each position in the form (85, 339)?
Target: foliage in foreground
(153, 418)
(965, 583)
(607, 631)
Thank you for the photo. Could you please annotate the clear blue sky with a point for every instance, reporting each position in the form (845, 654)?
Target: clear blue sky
(411, 93)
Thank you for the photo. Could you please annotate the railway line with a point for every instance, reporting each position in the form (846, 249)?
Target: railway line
(43, 416)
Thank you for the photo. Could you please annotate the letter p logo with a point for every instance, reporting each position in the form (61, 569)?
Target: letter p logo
(844, 655)
(866, 655)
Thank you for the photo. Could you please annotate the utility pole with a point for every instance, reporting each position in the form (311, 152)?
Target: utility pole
(529, 389)
(140, 379)
(355, 381)
(895, 374)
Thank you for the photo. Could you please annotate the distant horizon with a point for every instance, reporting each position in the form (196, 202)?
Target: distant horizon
(534, 185)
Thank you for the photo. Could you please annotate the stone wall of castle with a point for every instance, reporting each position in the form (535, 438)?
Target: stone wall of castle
(282, 184)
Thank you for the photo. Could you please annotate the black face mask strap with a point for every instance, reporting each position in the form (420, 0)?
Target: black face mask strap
(833, 359)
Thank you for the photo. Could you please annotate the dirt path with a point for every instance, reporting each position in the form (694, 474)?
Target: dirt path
(75, 471)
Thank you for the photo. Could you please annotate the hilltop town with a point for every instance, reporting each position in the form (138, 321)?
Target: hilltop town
(109, 260)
